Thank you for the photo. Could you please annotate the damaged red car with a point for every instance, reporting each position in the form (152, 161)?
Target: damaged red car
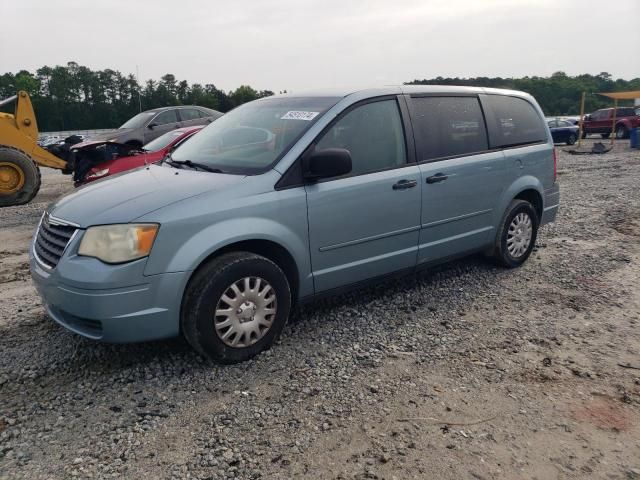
(96, 160)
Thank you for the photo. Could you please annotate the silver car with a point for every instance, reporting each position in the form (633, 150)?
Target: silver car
(150, 124)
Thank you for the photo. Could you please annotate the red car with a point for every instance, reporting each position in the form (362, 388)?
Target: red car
(153, 151)
(601, 121)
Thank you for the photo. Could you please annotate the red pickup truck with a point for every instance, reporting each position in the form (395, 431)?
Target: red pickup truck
(601, 121)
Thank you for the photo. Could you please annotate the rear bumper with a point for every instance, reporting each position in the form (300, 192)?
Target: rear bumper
(551, 204)
(148, 308)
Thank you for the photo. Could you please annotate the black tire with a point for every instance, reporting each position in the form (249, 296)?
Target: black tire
(30, 172)
(621, 132)
(501, 252)
(605, 135)
(204, 292)
(584, 134)
(572, 139)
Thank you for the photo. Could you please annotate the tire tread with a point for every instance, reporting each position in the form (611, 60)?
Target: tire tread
(203, 279)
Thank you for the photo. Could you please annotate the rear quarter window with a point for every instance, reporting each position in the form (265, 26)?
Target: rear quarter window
(513, 121)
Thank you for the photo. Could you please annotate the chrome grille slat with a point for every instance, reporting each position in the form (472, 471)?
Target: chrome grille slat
(49, 247)
(61, 230)
(46, 257)
(52, 240)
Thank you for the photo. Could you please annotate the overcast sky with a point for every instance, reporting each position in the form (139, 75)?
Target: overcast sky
(301, 44)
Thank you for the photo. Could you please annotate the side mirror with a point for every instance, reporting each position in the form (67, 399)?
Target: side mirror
(152, 125)
(330, 162)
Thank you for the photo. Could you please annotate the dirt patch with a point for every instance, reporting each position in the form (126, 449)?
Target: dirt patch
(629, 226)
(605, 413)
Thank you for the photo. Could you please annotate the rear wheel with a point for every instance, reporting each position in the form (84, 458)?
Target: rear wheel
(572, 139)
(517, 235)
(235, 307)
(621, 131)
(584, 134)
(19, 178)
(605, 135)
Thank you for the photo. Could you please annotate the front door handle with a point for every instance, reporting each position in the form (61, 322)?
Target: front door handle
(438, 177)
(404, 184)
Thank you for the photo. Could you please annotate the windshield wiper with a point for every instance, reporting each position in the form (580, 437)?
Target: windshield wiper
(190, 164)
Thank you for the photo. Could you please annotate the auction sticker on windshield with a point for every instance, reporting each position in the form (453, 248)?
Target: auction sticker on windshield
(299, 115)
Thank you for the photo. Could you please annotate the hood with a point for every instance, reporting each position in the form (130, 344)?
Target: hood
(93, 143)
(123, 198)
(109, 135)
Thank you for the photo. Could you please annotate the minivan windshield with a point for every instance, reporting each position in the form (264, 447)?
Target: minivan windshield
(250, 138)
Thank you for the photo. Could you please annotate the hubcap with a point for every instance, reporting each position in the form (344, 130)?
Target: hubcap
(519, 235)
(620, 133)
(11, 178)
(245, 312)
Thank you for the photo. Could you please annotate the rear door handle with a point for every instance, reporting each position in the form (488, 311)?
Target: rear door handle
(438, 177)
(404, 184)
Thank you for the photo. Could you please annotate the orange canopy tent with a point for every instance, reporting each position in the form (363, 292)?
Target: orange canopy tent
(615, 96)
(622, 95)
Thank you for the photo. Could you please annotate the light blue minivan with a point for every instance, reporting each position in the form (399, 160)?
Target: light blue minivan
(293, 197)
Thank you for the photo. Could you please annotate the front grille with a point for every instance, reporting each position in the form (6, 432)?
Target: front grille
(52, 239)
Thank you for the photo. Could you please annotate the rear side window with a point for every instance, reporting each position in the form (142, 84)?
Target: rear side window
(513, 121)
(189, 114)
(448, 126)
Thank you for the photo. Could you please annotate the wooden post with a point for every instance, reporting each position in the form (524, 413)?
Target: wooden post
(613, 122)
(581, 119)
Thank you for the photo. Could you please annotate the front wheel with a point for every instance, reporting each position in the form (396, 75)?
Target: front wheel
(571, 140)
(517, 234)
(235, 306)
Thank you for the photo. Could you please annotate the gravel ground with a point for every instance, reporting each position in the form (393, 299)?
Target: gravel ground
(467, 371)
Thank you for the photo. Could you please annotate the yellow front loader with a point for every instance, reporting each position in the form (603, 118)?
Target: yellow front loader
(20, 154)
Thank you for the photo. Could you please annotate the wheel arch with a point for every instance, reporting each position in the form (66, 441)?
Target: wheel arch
(267, 248)
(527, 188)
(534, 197)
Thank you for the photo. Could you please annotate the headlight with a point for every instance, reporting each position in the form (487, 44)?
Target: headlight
(118, 243)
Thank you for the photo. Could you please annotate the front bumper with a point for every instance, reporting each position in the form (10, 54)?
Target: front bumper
(111, 303)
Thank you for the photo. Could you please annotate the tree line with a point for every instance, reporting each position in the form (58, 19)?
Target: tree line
(75, 97)
(559, 94)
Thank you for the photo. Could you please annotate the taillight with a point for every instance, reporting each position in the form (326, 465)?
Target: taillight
(555, 165)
